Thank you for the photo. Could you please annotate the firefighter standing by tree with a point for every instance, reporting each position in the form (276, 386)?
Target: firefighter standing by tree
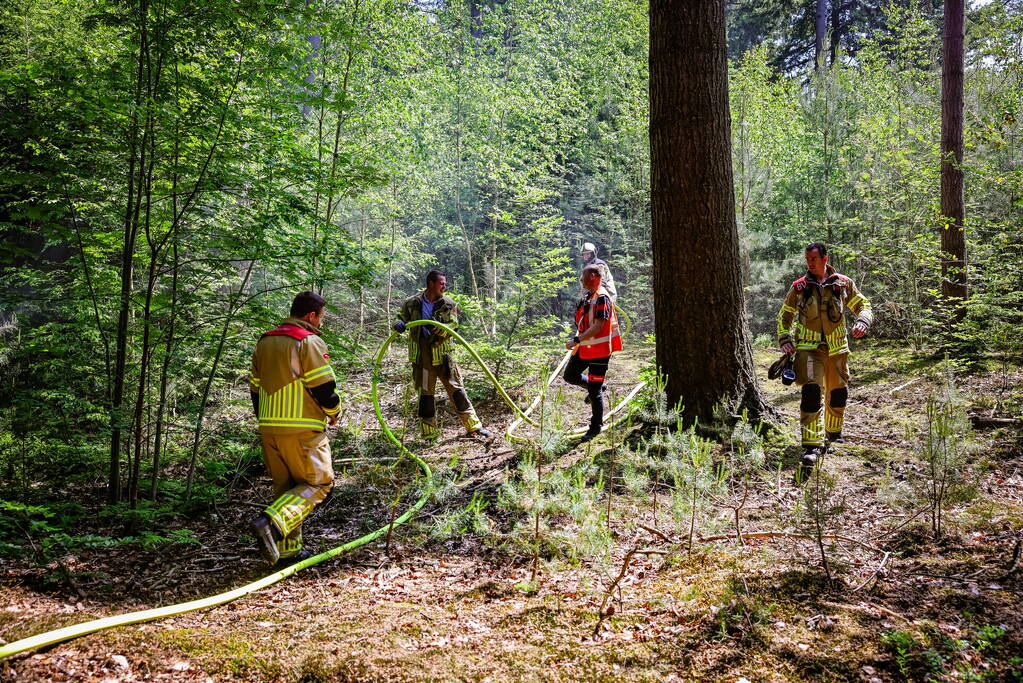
(596, 339)
(430, 356)
(589, 254)
(816, 304)
(293, 393)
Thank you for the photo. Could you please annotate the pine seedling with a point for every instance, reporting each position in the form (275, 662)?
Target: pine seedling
(822, 506)
(944, 450)
(745, 461)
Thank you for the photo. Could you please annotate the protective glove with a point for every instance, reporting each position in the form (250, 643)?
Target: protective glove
(399, 326)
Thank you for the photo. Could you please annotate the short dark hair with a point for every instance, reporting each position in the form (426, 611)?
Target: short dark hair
(307, 302)
(822, 250)
(433, 276)
(595, 270)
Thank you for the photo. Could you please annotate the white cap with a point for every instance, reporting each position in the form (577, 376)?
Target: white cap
(588, 246)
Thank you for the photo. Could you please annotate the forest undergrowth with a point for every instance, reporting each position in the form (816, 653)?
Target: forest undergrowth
(652, 553)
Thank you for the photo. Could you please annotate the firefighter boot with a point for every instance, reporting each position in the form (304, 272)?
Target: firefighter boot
(267, 536)
(812, 456)
(482, 433)
(301, 556)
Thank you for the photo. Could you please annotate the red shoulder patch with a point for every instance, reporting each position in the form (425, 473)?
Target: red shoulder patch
(800, 284)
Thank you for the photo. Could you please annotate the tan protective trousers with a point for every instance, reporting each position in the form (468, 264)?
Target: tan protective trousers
(302, 473)
(824, 380)
(425, 376)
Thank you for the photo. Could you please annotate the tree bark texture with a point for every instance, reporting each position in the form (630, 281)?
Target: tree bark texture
(820, 28)
(953, 236)
(703, 341)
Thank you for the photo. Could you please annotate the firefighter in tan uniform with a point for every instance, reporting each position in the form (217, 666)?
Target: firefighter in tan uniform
(811, 325)
(293, 393)
(429, 353)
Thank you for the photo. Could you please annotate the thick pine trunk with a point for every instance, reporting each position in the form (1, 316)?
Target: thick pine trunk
(953, 236)
(703, 342)
(820, 29)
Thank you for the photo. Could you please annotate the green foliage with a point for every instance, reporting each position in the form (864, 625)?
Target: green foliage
(930, 654)
(740, 615)
(943, 449)
(572, 523)
(470, 519)
(821, 508)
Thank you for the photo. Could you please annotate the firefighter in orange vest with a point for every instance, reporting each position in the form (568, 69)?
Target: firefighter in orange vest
(596, 339)
(293, 393)
(814, 312)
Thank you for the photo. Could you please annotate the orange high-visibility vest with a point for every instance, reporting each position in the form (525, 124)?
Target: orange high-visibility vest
(609, 339)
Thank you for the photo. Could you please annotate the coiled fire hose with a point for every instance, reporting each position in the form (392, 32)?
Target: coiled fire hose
(70, 632)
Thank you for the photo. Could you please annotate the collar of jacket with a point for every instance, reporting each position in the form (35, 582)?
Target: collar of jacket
(297, 322)
(831, 276)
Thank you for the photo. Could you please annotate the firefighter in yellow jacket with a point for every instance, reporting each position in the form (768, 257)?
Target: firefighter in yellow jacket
(811, 325)
(293, 393)
(429, 353)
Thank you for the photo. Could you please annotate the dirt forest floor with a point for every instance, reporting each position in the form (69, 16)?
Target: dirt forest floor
(453, 600)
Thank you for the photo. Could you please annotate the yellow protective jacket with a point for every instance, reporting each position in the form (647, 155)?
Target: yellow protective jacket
(813, 313)
(288, 362)
(438, 343)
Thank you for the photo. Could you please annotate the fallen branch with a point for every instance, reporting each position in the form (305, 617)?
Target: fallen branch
(873, 575)
(904, 386)
(785, 534)
(867, 607)
(980, 422)
(656, 532)
(1014, 564)
(605, 609)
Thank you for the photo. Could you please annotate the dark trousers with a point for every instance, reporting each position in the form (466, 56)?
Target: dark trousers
(593, 381)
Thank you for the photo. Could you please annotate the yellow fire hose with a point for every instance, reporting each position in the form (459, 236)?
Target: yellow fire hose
(70, 632)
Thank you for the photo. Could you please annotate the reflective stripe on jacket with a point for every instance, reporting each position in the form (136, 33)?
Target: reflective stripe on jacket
(283, 369)
(608, 339)
(813, 313)
(444, 311)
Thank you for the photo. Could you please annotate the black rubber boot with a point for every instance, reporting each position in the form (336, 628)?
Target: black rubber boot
(267, 536)
(482, 433)
(811, 456)
(835, 437)
(300, 556)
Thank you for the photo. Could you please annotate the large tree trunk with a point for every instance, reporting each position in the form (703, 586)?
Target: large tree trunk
(703, 342)
(953, 236)
(836, 31)
(820, 29)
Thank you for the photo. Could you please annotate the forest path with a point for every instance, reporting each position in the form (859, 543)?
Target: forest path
(459, 609)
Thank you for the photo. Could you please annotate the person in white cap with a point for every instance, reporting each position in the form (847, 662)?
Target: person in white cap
(589, 254)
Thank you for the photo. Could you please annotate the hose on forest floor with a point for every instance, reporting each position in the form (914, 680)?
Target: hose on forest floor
(85, 628)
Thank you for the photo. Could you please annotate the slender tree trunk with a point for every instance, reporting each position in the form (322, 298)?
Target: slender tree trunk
(390, 256)
(953, 237)
(232, 309)
(165, 369)
(820, 26)
(155, 249)
(127, 256)
(703, 340)
(473, 286)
